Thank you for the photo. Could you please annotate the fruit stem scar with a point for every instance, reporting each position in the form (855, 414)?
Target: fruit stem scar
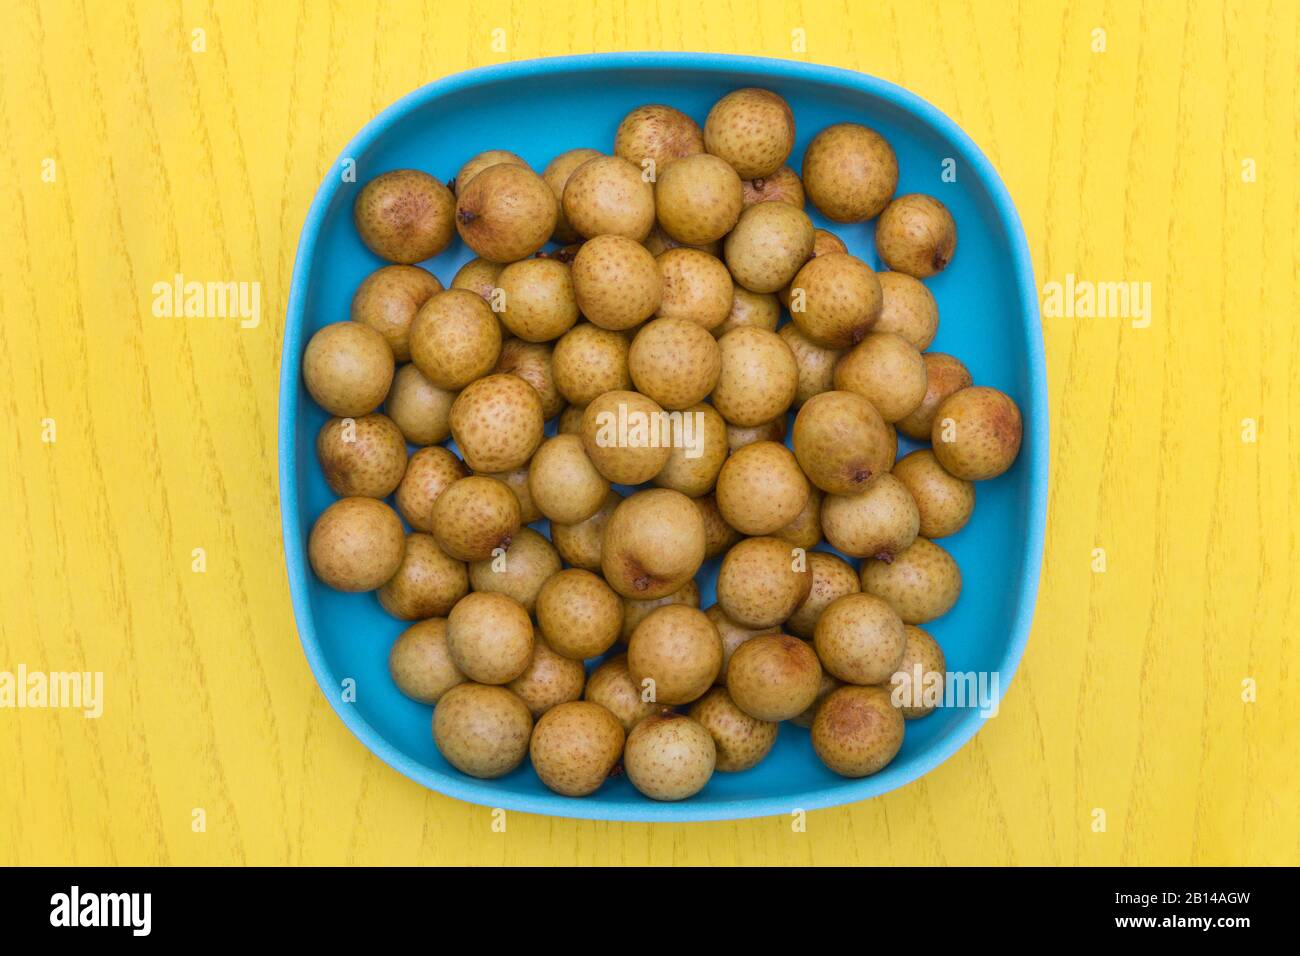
(884, 556)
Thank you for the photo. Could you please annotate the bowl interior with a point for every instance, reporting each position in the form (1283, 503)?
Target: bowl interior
(539, 110)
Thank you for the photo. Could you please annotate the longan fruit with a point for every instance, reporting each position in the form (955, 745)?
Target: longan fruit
(356, 544)
(589, 361)
(860, 639)
(608, 196)
(556, 175)
(922, 651)
(421, 665)
(581, 544)
(539, 303)
(531, 361)
(886, 370)
(506, 213)
(490, 637)
(849, 172)
(769, 245)
(659, 134)
(579, 614)
(921, 583)
(617, 282)
(642, 455)
(916, 234)
(520, 573)
(741, 741)
(841, 442)
(759, 309)
(976, 433)
(427, 583)
(575, 745)
(387, 301)
(610, 686)
(816, 364)
(752, 129)
(405, 216)
(857, 731)
(669, 757)
(636, 610)
(478, 276)
(761, 489)
(455, 339)
(497, 423)
(835, 299)
(482, 730)
(907, 308)
(549, 680)
(678, 648)
(475, 516)
(732, 636)
(832, 577)
(759, 583)
(676, 362)
(428, 474)
(696, 287)
(420, 409)
(484, 160)
(563, 482)
(363, 457)
(347, 368)
(783, 185)
(693, 465)
(943, 376)
(774, 677)
(944, 503)
(758, 379)
(698, 199)
(880, 521)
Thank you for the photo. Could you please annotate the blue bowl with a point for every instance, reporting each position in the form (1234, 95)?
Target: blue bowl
(989, 318)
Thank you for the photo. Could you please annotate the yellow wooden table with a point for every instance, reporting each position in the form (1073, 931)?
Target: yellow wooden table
(1153, 719)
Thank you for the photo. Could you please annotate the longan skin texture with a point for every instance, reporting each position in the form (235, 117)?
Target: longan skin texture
(653, 544)
(784, 185)
(816, 364)
(738, 436)
(478, 276)
(732, 635)
(639, 459)
(490, 637)
(694, 477)
(405, 216)
(944, 375)
(921, 649)
(860, 639)
(589, 361)
(427, 583)
(549, 680)
(849, 172)
(741, 741)
(678, 648)
(985, 436)
(879, 522)
(517, 480)
(356, 544)
(841, 442)
(506, 213)
(774, 677)
(347, 368)
(676, 362)
(455, 339)
(610, 686)
(669, 757)
(387, 301)
(531, 361)
(556, 175)
(696, 287)
(944, 503)
(698, 199)
(420, 664)
(805, 529)
(761, 310)
(540, 305)
(752, 129)
(528, 563)
(829, 684)
(474, 516)
(617, 282)
(658, 133)
(429, 472)
(607, 196)
(497, 423)
(841, 300)
(907, 308)
(758, 379)
(579, 614)
(563, 482)
(922, 582)
(758, 585)
(916, 235)
(581, 544)
(887, 370)
(636, 610)
(761, 489)
(418, 407)
(770, 243)
(857, 731)
(574, 747)
(832, 577)
(482, 730)
(362, 457)
(485, 160)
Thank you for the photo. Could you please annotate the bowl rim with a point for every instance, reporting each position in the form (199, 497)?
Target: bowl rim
(645, 810)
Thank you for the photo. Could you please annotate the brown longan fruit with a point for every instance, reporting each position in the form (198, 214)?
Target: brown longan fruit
(475, 516)
(880, 521)
(531, 361)
(805, 529)
(506, 213)
(707, 442)
(696, 287)
(575, 746)
(676, 362)
(428, 474)
(761, 489)
(581, 544)
(624, 459)
(916, 235)
(832, 577)
(420, 663)
(841, 442)
(659, 242)
(419, 408)
(732, 636)
(758, 379)
(976, 433)
(752, 129)
(886, 370)
(490, 637)
(738, 437)
(455, 339)
(537, 299)
(517, 481)
(759, 309)
(563, 482)
(921, 583)
(347, 368)
(850, 172)
(770, 243)
(556, 175)
(478, 276)
(482, 730)
(589, 361)
(405, 216)
(387, 301)
(636, 610)
(698, 199)
(907, 308)
(653, 544)
(678, 648)
(579, 614)
(944, 503)
(608, 196)
(774, 677)
(659, 134)
(497, 423)
(364, 457)
(857, 731)
(816, 364)
(610, 686)
(549, 680)
(669, 757)
(427, 583)
(783, 185)
(835, 300)
(859, 638)
(923, 650)
(943, 376)
(356, 544)
(829, 684)
(761, 582)
(742, 741)
(521, 571)
(484, 160)
(617, 282)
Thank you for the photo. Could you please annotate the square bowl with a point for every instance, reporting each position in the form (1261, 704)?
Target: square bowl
(988, 318)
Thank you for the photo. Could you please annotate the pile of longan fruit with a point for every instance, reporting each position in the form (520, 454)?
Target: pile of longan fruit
(655, 279)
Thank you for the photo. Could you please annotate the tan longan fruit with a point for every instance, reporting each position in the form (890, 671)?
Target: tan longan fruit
(421, 665)
(653, 544)
(759, 377)
(363, 457)
(732, 636)
(829, 683)
(907, 308)
(575, 747)
(478, 276)
(418, 407)
(581, 544)
(659, 242)
(944, 375)
(617, 282)
(607, 196)
(678, 648)
(497, 422)
(429, 472)
(783, 185)
(879, 522)
(538, 300)
(676, 362)
(556, 175)
(857, 731)
(610, 686)
(356, 544)
(669, 757)
(761, 489)
(579, 614)
(922, 650)
(921, 583)
(482, 730)
(944, 503)
(636, 610)
(835, 300)
(517, 480)
(696, 287)
(832, 577)
(805, 529)
(742, 741)
(531, 361)
(564, 484)
(506, 213)
(474, 516)
(886, 370)
(816, 364)
(762, 310)
(490, 637)
(405, 216)
(589, 361)
(693, 465)
(976, 433)
(521, 571)
(658, 133)
(387, 301)
(347, 368)
(427, 583)
(550, 680)
(769, 245)
(849, 172)
(455, 339)
(752, 129)
(739, 436)
(916, 235)
(485, 160)
(698, 199)
(859, 638)
(629, 459)
(841, 442)
(774, 677)
(761, 582)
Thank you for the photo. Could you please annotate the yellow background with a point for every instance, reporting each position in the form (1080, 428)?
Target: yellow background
(1125, 164)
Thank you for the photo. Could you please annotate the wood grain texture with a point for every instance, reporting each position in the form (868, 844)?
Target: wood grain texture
(1125, 164)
